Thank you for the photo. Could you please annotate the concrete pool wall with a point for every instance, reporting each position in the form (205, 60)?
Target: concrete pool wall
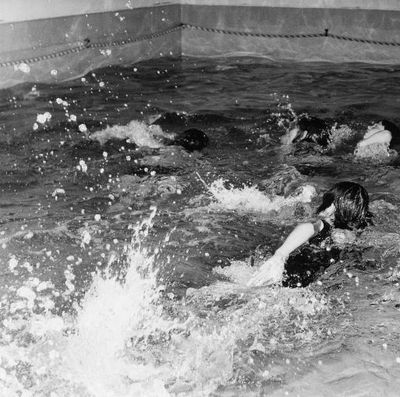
(55, 40)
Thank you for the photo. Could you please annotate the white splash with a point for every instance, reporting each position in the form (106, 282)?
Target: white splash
(43, 118)
(137, 132)
(339, 135)
(249, 198)
(23, 67)
(376, 152)
(111, 313)
(122, 342)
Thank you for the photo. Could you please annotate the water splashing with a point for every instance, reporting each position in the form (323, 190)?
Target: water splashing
(112, 314)
(249, 198)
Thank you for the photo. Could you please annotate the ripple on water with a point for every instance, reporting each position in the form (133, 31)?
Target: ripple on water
(84, 310)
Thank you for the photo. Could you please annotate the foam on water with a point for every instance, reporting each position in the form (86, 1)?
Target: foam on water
(114, 313)
(47, 354)
(339, 135)
(249, 198)
(136, 132)
(375, 152)
(127, 336)
(124, 341)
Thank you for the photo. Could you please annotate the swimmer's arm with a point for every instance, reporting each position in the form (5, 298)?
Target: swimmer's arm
(289, 137)
(383, 136)
(272, 270)
(299, 236)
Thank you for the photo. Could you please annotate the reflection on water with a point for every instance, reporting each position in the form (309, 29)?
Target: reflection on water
(125, 261)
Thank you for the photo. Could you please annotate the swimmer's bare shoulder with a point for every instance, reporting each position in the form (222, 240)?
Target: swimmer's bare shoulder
(340, 237)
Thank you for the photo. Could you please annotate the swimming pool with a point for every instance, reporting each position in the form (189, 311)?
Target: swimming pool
(111, 284)
(57, 41)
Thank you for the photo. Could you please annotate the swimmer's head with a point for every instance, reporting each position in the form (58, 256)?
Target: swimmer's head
(306, 128)
(349, 204)
(191, 139)
(382, 125)
(382, 133)
(389, 126)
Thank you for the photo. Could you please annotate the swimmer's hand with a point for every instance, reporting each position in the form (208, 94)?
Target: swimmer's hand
(290, 136)
(270, 272)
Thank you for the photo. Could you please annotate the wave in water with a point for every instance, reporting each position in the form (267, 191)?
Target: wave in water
(128, 339)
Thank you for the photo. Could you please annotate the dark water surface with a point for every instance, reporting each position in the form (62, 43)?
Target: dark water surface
(111, 283)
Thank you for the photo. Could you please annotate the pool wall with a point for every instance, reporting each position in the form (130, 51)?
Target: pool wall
(289, 33)
(57, 39)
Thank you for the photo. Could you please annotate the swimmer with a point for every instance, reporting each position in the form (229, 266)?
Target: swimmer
(308, 129)
(378, 142)
(191, 139)
(343, 211)
(380, 134)
(139, 134)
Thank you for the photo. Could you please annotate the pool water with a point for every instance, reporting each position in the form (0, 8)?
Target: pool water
(124, 264)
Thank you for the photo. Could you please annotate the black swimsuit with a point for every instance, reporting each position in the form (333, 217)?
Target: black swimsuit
(309, 261)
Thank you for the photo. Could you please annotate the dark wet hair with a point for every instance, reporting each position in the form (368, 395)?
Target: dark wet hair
(351, 203)
(395, 131)
(191, 139)
(317, 130)
(390, 127)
